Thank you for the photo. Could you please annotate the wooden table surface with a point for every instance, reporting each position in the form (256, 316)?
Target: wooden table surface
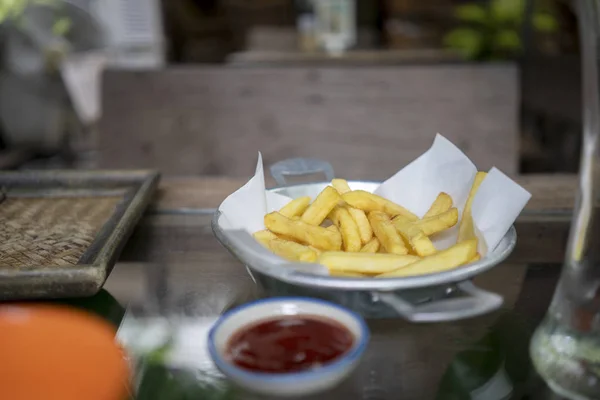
(542, 228)
(172, 264)
(550, 193)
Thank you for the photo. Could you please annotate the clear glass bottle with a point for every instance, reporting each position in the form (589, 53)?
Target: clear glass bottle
(565, 349)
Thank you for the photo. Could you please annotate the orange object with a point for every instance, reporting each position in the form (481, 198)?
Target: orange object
(58, 353)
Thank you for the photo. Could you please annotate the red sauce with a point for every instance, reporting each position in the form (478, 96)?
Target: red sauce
(289, 344)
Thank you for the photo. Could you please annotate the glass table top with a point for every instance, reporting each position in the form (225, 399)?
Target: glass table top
(174, 279)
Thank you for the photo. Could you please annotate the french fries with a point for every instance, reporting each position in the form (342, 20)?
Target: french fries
(292, 250)
(434, 224)
(455, 256)
(418, 241)
(476, 258)
(316, 250)
(355, 233)
(296, 207)
(341, 185)
(362, 222)
(348, 228)
(438, 223)
(386, 233)
(371, 202)
(316, 213)
(359, 216)
(441, 204)
(321, 238)
(372, 246)
(466, 230)
(346, 274)
(264, 237)
(364, 263)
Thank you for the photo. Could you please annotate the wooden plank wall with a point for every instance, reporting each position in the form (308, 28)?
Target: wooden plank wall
(368, 122)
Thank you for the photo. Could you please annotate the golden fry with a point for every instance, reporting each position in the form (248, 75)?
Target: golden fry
(444, 260)
(386, 233)
(364, 227)
(402, 220)
(316, 250)
(333, 228)
(347, 274)
(371, 202)
(442, 203)
(365, 263)
(348, 228)
(438, 223)
(292, 251)
(296, 207)
(316, 236)
(417, 240)
(476, 258)
(341, 185)
(322, 206)
(264, 237)
(359, 216)
(371, 247)
(434, 224)
(466, 230)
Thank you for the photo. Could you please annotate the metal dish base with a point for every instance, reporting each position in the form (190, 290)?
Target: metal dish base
(366, 304)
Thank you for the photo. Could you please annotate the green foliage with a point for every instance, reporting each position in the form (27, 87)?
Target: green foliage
(471, 13)
(490, 32)
(161, 383)
(545, 22)
(468, 41)
(11, 10)
(507, 39)
(507, 11)
(61, 26)
(156, 380)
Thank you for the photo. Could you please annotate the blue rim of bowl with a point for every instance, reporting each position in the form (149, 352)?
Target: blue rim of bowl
(345, 359)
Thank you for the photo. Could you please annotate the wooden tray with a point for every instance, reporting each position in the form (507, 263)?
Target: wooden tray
(62, 231)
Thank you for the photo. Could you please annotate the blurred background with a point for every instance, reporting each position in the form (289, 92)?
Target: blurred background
(196, 86)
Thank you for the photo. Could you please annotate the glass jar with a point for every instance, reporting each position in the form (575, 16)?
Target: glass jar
(565, 349)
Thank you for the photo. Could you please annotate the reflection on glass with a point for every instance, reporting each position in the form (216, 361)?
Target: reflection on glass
(165, 333)
(493, 368)
(170, 359)
(566, 346)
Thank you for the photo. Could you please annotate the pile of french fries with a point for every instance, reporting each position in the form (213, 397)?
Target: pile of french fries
(355, 233)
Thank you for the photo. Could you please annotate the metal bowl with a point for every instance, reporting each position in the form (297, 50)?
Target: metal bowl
(444, 296)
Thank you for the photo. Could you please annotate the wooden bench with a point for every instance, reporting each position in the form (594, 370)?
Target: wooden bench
(368, 122)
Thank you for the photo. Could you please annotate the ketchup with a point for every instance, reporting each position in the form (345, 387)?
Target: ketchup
(288, 344)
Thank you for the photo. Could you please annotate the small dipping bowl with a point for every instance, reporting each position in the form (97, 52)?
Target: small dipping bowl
(295, 383)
